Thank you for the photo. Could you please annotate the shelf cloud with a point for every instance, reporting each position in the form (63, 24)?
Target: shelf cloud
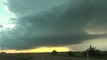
(55, 22)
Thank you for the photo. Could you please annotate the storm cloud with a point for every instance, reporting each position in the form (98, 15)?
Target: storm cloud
(55, 22)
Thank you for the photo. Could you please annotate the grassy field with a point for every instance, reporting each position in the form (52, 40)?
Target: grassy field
(41, 57)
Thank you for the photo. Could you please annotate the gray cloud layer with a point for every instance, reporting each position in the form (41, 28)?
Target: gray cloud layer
(55, 22)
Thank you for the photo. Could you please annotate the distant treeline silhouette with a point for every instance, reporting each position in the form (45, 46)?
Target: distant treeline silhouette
(69, 53)
(91, 51)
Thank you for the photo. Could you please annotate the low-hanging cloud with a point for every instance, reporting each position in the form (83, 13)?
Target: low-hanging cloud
(55, 22)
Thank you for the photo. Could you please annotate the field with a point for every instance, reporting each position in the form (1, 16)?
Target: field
(41, 56)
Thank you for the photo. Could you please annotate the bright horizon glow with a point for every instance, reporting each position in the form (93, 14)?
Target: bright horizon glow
(39, 50)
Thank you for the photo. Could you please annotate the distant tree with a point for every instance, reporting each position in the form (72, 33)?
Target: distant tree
(3, 52)
(105, 53)
(54, 52)
(92, 51)
(70, 53)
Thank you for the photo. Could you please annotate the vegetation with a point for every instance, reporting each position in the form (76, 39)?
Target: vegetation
(70, 53)
(92, 51)
(54, 52)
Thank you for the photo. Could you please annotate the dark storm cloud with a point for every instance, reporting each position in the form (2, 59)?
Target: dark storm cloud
(55, 22)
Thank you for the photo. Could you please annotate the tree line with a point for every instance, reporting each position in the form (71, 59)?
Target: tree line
(91, 51)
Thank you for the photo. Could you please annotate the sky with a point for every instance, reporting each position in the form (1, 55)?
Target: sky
(53, 24)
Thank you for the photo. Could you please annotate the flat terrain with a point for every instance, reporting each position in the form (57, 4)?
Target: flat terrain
(40, 57)
(43, 57)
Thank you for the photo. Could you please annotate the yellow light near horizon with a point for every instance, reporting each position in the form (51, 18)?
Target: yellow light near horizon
(50, 49)
(38, 50)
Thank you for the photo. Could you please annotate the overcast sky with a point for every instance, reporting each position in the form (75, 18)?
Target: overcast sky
(50, 23)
